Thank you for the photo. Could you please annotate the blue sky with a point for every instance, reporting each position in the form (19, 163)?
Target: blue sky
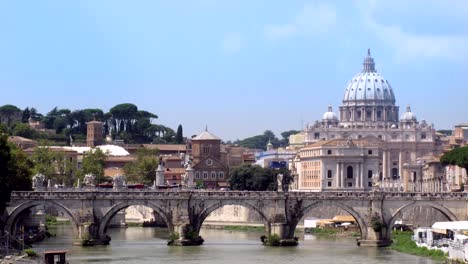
(240, 67)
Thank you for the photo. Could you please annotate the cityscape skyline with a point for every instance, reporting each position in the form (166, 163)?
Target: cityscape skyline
(224, 64)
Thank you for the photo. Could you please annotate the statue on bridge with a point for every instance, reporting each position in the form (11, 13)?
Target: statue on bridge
(118, 182)
(38, 182)
(89, 180)
(279, 180)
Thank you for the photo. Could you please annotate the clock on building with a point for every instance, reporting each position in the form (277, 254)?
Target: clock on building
(209, 162)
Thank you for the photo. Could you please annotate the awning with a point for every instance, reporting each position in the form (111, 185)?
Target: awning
(440, 231)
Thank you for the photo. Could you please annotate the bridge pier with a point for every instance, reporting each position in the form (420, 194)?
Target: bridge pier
(88, 235)
(281, 234)
(185, 235)
(375, 238)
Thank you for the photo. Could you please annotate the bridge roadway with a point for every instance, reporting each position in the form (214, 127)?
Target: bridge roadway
(90, 211)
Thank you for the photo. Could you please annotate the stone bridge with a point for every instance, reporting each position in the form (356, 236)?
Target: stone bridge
(184, 211)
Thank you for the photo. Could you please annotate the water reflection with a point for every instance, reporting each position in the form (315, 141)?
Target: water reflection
(148, 245)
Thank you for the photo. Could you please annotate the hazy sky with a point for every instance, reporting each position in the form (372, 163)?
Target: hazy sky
(240, 67)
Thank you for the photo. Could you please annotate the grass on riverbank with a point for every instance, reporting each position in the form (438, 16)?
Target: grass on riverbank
(402, 242)
(245, 228)
(321, 231)
(52, 221)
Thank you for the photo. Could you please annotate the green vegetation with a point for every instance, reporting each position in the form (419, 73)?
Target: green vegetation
(245, 228)
(15, 171)
(457, 157)
(142, 169)
(402, 242)
(261, 141)
(321, 231)
(123, 121)
(250, 177)
(93, 163)
(271, 240)
(31, 253)
(52, 221)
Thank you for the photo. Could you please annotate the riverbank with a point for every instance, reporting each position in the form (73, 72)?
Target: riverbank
(332, 232)
(402, 242)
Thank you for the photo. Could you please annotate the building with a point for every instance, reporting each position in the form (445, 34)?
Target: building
(23, 143)
(208, 165)
(369, 121)
(94, 135)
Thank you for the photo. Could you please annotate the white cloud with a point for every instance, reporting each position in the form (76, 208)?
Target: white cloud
(309, 20)
(232, 42)
(410, 46)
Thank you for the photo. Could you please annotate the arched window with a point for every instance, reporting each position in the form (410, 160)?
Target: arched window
(349, 172)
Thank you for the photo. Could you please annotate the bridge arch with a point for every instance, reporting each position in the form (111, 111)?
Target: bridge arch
(104, 222)
(405, 208)
(15, 214)
(208, 210)
(359, 219)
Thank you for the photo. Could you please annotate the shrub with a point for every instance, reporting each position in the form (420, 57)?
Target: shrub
(30, 252)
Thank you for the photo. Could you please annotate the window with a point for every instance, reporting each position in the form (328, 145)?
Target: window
(197, 175)
(369, 152)
(359, 136)
(213, 175)
(369, 184)
(369, 174)
(423, 136)
(395, 173)
(329, 184)
(317, 135)
(350, 184)
(329, 152)
(349, 172)
(205, 175)
(221, 174)
(379, 115)
(329, 174)
(206, 149)
(380, 136)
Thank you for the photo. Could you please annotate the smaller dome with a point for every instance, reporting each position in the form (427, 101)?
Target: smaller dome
(329, 115)
(408, 115)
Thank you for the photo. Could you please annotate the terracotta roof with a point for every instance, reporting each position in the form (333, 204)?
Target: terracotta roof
(205, 135)
(172, 158)
(167, 147)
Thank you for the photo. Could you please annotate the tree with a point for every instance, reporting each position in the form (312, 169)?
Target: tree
(285, 135)
(252, 178)
(42, 160)
(93, 163)
(8, 113)
(457, 157)
(143, 169)
(179, 136)
(15, 173)
(260, 141)
(25, 115)
(24, 130)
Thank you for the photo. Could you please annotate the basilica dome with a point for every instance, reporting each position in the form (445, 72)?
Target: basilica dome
(408, 115)
(329, 115)
(369, 86)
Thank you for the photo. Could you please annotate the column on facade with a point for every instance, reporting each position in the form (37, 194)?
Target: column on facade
(337, 175)
(363, 181)
(342, 175)
(356, 177)
(384, 165)
(400, 164)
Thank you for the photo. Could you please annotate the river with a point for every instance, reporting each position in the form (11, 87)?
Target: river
(148, 245)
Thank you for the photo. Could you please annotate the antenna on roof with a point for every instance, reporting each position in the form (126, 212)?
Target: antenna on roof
(206, 127)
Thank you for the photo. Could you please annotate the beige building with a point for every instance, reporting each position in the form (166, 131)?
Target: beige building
(368, 119)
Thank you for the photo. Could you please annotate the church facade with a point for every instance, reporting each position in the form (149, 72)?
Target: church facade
(368, 143)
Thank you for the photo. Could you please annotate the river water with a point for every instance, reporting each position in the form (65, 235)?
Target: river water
(148, 245)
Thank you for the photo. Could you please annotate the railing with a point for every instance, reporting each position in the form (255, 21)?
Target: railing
(93, 193)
